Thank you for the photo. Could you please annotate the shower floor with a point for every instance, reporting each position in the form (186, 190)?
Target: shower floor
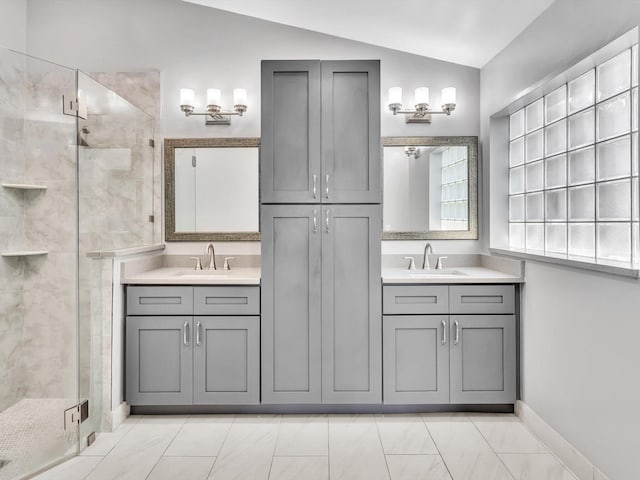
(32, 436)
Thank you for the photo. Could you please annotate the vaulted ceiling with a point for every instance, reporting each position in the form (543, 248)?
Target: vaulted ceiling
(468, 32)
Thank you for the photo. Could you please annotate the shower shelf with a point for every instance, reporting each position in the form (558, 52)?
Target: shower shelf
(25, 253)
(24, 186)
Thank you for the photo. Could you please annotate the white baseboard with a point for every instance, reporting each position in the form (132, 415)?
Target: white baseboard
(119, 415)
(561, 448)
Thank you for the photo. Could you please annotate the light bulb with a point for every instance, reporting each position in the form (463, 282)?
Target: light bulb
(214, 97)
(449, 96)
(239, 96)
(422, 96)
(395, 95)
(187, 97)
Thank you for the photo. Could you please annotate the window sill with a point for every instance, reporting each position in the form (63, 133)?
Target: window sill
(618, 268)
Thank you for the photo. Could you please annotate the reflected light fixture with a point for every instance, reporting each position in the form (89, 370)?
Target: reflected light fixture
(214, 114)
(412, 152)
(422, 112)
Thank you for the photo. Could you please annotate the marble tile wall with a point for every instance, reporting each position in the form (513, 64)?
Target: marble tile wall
(12, 106)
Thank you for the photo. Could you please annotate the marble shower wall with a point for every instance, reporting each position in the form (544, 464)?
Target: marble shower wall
(37, 294)
(12, 98)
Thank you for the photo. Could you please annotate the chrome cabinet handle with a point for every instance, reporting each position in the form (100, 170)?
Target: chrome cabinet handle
(444, 332)
(326, 186)
(315, 186)
(456, 340)
(315, 221)
(326, 223)
(185, 335)
(198, 325)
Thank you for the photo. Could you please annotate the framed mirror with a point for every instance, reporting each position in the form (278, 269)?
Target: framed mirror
(430, 188)
(211, 189)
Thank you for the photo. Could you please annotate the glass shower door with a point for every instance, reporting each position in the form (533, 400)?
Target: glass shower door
(38, 266)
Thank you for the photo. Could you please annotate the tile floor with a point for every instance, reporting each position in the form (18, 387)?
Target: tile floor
(316, 447)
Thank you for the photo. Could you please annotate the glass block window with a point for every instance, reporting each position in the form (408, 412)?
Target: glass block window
(573, 167)
(454, 208)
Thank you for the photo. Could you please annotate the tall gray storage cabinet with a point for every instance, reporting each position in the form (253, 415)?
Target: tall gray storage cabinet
(321, 226)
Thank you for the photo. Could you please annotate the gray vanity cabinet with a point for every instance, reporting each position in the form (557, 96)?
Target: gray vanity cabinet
(449, 344)
(483, 359)
(321, 333)
(320, 139)
(226, 360)
(189, 345)
(158, 360)
(416, 359)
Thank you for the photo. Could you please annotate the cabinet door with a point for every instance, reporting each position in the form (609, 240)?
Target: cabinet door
(351, 304)
(483, 359)
(226, 360)
(159, 361)
(290, 143)
(351, 131)
(415, 359)
(290, 299)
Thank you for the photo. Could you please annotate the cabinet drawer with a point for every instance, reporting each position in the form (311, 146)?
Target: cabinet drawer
(226, 300)
(415, 299)
(159, 300)
(481, 299)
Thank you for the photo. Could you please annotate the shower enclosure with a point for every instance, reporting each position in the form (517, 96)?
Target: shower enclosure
(77, 177)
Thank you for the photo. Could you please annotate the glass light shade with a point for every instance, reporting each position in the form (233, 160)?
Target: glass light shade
(187, 96)
(214, 97)
(422, 95)
(239, 96)
(449, 95)
(395, 95)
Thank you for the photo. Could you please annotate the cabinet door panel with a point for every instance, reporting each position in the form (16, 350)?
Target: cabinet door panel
(159, 361)
(483, 359)
(226, 360)
(351, 304)
(290, 143)
(291, 304)
(415, 359)
(351, 131)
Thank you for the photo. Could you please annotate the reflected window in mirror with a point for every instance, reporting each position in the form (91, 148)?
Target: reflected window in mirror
(430, 188)
(211, 189)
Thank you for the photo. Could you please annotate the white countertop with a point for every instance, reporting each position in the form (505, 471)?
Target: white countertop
(465, 275)
(189, 276)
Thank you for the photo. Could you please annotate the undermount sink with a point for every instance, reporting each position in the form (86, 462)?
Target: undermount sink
(436, 273)
(202, 274)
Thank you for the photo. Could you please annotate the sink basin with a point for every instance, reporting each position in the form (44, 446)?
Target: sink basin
(436, 273)
(202, 274)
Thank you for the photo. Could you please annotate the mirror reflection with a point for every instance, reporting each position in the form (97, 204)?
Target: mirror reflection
(212, 189)
(429, 187)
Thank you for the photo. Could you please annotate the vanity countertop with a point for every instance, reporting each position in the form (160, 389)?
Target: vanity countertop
(189, 276)
(466, 275)
(460, 268)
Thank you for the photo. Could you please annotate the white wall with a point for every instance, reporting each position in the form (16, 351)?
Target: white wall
(13, 24)
(197, 47)
(579, 329)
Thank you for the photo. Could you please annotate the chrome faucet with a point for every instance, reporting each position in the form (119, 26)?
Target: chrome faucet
(440, 263)
(412, 263)
(212, 256)
(425, 260)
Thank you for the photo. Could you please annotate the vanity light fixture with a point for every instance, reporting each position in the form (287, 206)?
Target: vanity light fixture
(214, 114)
(422, 112)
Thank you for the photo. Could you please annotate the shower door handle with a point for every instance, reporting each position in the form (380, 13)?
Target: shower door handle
(185, 334)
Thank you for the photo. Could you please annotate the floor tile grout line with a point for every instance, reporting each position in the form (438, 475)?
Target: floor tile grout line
(328, 448)
(549, 450)
(275, 444)
(436, 445)
(384, 455)
(167, 447)
(491, 447)
(226, 435)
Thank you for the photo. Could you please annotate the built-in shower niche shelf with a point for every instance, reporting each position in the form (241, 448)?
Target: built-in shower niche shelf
(24, 186)
(25, 253)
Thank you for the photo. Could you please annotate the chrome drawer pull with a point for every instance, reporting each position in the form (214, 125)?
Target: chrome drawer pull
(444, 332)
